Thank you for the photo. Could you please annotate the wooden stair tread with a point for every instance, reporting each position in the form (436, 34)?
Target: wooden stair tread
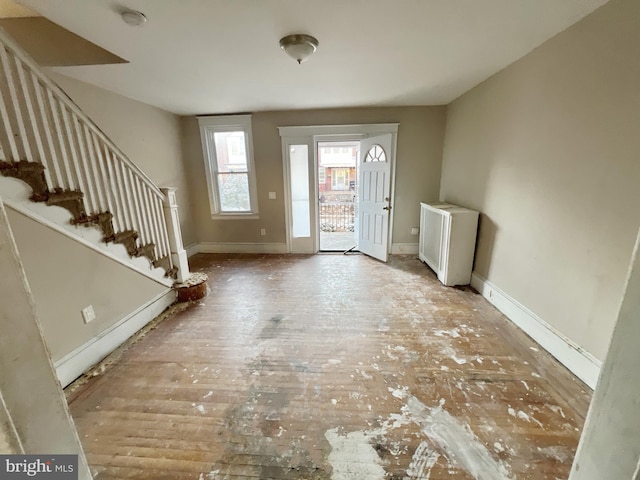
(125, 235)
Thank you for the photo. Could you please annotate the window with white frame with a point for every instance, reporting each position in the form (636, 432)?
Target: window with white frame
(227, 146)
(340, 179)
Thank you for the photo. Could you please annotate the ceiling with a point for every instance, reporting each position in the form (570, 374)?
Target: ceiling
(222, 56)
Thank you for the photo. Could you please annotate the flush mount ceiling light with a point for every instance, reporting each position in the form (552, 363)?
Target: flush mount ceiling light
(299, 46)
(133, 17)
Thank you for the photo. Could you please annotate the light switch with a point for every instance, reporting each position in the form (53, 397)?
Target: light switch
(88, 314)
(272, 195)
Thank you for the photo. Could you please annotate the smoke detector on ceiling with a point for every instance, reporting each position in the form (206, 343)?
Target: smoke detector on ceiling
(133, 17)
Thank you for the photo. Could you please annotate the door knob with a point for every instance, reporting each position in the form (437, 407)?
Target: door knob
(388, 207)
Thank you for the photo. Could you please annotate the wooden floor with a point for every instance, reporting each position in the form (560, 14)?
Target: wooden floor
(331, 366)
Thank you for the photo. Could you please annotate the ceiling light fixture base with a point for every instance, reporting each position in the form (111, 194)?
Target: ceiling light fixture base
(299, 46)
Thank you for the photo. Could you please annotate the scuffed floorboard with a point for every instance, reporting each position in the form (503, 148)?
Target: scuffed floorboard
(331, 366)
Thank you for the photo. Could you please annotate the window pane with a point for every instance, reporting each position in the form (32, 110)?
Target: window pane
(230, 151)
(340, 179)
(300, 213)
(234, 192)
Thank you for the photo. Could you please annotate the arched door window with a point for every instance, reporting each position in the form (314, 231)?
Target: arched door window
(375, 154)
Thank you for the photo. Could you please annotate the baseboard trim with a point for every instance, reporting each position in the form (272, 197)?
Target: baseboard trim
(274, 248)
(74, 364)
(191, 249)
(404, 249)
(221, 247)
(584, 365)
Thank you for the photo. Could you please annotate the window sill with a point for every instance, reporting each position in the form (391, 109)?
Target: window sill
(235, 216)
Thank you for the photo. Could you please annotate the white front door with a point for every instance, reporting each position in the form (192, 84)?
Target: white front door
(374, 201)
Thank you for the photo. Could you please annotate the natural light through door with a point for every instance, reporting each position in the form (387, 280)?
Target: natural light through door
(337, 193)
(323, 196)
(300, 214)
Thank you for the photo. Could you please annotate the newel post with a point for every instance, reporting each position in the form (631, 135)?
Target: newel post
(178, 253)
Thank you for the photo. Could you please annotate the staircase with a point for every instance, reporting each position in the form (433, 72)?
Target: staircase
(47, 142)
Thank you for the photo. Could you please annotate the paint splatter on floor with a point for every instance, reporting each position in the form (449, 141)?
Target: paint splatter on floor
(353, 457)
(443, 435)
(423, 460)
(413, 382)
(457, 441)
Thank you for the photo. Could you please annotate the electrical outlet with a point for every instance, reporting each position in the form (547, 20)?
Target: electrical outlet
(263, 231)
(88, 314)
(272, 195)
(415, 230)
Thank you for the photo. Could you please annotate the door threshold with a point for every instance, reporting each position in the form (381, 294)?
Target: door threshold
(329, 252)
(351, 251)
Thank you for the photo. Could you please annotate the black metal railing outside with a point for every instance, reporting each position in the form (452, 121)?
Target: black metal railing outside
(337, 216)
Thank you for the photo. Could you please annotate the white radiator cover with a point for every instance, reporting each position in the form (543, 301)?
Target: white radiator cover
(448, 240)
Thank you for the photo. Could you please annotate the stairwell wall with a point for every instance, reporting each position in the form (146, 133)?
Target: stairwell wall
(66, 276)
(149, 136)
(32, 405)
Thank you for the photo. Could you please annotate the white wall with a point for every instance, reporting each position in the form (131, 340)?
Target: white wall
(29, 391)
(66, 276)
(610, 443)
(4, 441)
(547, 150)
(8, 440)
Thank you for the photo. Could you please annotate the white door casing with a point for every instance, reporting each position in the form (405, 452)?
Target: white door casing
(310, 134)
(374, 201)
